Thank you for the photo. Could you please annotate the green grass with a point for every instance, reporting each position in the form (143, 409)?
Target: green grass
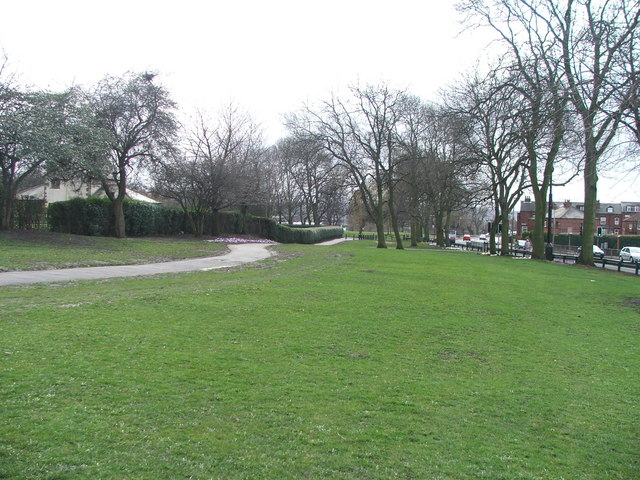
(339, 362)
(43, 250)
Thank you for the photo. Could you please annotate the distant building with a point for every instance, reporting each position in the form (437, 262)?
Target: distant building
(568, 217)
(57, 190)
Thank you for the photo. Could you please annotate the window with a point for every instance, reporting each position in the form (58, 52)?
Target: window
(569, 230)
(603, 220)
(55, 183)
(633, 208)
(616, 231)
(524, 228)
(616, 221)
(609, 209)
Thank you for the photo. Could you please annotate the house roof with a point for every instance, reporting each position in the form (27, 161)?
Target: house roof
(568, 213)
(527, 206)
(70, 189)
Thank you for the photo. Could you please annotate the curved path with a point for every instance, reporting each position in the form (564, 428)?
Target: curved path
(239, 254)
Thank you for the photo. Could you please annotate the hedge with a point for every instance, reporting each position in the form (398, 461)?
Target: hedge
(94, 216)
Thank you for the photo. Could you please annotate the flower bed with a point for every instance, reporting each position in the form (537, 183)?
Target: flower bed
(239, 240)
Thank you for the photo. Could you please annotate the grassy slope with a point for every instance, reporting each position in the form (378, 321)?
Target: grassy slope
(43, 250)
(345, 362)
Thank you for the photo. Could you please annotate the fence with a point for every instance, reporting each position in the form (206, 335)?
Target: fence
(565, 254)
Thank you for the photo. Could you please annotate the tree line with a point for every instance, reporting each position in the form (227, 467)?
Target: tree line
(559, 99)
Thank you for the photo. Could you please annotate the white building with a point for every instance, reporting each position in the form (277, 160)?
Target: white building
(56, 190)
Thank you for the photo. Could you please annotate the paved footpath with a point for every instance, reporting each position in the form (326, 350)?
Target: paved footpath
(239, 254)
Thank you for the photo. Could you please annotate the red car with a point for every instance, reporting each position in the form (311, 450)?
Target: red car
(466, 238)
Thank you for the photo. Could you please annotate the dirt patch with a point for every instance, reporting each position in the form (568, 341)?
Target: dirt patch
(632, 302)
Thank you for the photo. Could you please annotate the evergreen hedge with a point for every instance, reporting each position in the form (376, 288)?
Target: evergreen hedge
(94, 216)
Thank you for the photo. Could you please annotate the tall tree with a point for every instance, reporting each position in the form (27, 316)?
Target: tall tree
(34, 132)
(137, 117)
(207, 175)
(537, 78)
(492, 138)
(590, 40)
(360, 131)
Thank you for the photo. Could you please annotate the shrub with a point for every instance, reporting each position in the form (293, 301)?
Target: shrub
(94, 216)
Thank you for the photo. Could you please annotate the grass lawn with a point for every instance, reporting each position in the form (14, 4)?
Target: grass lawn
(342, 362)
(34, 250)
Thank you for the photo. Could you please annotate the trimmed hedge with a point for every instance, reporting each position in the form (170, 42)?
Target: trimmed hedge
(269, 228)
(94, 216)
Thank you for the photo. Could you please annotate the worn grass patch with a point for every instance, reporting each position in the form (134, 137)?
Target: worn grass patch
(343, 362)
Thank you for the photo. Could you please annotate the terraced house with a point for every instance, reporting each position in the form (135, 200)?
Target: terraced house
(611, 218)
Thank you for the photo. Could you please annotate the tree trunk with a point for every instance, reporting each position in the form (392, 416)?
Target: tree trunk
(590, 198)
(492, 232)
(215, 228)
(394, 221)
(504, 218)
(380, 226)
(440, 240)
(7, 211)
(538, 239)
(192, 222)
(118, 213)
(416, 231)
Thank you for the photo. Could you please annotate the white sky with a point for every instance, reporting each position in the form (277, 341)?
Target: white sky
(267, 56)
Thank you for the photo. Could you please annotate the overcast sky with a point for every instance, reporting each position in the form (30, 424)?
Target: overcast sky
(268, 56)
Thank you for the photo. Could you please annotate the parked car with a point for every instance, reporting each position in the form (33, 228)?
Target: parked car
(466, 237)
(597, 252)
(482, 238)
(630, 254)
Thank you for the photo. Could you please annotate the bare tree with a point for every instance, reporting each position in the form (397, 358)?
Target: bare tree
(590, 40)
(289, 197)
(137, 117)
(210, 173)
(491, 137)
(360, 132)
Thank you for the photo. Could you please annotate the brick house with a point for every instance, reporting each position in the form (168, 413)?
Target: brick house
(611, 218)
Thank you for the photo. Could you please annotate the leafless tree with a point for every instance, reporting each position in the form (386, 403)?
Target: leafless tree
(590, 41)
(136, 115)
(491, 137)
(360, 132)
(212, 171)
(435, 174)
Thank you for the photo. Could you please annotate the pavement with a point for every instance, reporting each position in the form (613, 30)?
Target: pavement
(238, 255)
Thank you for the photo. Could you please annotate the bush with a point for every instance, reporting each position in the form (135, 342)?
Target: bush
(94, 216)
(269, 228)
